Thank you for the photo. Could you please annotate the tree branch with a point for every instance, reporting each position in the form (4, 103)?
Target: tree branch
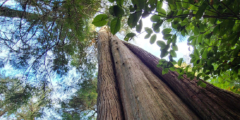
(230, 10)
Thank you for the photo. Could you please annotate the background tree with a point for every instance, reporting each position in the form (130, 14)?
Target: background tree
(41, 38)
(82, 105)
(16, 93)
(47, 34)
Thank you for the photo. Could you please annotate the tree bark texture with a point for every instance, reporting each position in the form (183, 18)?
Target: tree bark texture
(130, 86)
(108, 101)
(144, 96)
(209, 103)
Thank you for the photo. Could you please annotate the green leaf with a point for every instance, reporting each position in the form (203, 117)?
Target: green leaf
(179, 70)
(139, 3)
(169, 41)
(179, 5)
(111, 1)
(100, 20)
(147, 36)
(156, 26)
(129, 36)
(172, 68)
(174, 47)
(199, 75)
(153, 38)
(204, 55)
(133, 19)
(200, 39)
(190, 38)
(159, 5)
(173, 53)
(155, 18)
(190, 75)
(166, 36)
(185, 4)
(115, 25)
(161, 61)
(202, 84)
(164, 71)
(161, 44)
(162, 12)
(206, 77)
(180, 61)
(166, 31)
(139, 26)
(196, 53)
(174, 39)
(164, 52)
(120, 2)
(148, 30)
(200, 11)
(116, 11)
(196, 30)
(180, 76)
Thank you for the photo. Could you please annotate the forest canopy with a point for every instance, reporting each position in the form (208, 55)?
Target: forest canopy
(211, 26)
(50, 46)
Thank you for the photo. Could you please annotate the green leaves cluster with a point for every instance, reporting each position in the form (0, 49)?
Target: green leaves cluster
(117, 12)
(212, 28)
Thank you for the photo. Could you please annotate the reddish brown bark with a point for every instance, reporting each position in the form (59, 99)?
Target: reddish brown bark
(108, 102)
(209, 103)
(147, 94)
(144, 96)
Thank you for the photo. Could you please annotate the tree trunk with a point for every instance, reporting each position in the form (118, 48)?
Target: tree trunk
(209, 103)
(144, 93)
(108, 101)
(8, 12)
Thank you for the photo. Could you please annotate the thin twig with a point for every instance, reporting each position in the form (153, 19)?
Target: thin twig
(3, 3)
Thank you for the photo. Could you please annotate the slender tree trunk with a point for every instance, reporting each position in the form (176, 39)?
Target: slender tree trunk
(144, 93)
(8, 12)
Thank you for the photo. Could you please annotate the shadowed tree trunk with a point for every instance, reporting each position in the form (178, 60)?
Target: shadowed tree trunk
(144, 93)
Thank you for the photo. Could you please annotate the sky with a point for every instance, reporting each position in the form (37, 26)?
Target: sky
(154, 48)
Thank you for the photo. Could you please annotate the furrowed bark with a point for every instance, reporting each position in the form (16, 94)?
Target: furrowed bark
(143, 95)
(209, 103)
(108, 101)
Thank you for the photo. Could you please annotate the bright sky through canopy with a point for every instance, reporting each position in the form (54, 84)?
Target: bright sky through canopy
(182, 52)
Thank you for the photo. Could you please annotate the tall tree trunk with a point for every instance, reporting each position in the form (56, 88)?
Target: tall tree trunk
(209, 103)
(144, 96)
(108, 101)
(147, 94)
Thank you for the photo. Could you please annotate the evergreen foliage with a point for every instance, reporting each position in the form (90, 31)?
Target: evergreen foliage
(47, 34)
(83, 104)
(40, 38)
(17, 94)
